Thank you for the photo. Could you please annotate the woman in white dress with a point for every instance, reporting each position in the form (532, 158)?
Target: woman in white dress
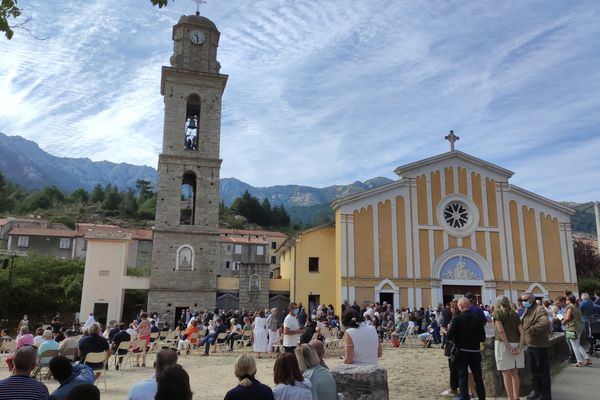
(259, 334)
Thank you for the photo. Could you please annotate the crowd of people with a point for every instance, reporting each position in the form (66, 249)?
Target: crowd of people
(296, 339)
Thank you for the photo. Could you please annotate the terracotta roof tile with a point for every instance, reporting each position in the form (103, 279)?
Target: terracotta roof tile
(43, 232)
(244, 240)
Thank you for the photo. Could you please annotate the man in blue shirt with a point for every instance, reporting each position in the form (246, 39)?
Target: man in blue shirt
(68, 376)
(210, 339)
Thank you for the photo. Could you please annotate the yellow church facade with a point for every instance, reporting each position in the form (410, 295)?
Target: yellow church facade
(450, 224)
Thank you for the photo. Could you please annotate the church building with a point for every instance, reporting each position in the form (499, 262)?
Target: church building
(450, 224)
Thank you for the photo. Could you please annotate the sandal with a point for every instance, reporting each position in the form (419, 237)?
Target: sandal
(578, 364)
(588, 362)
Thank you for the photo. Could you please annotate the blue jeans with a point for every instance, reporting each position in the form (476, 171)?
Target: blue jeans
(210, 339)
(463, 361)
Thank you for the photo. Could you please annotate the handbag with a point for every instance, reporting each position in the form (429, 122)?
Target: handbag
(450, 350)
(570, 335)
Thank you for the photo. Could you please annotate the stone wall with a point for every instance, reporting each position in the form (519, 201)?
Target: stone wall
(492, 378)
(361, 382)
(251, 299)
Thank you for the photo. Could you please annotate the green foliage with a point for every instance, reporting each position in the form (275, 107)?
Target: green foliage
(587, 260)
(129, 205)
(584, 220)
(80, 195)
(159, 3)
(111, 201)
(147, 210)
(42, 286)
(10, 9)
(144, 189)
(255, 212)
(65, 220)
(98, 194)
(589, 285)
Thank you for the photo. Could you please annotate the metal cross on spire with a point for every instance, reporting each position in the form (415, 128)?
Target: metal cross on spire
(452, 138)
(198, 2)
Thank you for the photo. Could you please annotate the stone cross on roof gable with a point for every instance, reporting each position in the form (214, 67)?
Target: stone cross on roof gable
(198, 2)
(452, 138)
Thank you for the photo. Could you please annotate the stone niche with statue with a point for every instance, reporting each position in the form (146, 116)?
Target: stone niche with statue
(254, 286)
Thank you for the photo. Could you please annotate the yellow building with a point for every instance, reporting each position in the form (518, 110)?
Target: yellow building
(450, 224)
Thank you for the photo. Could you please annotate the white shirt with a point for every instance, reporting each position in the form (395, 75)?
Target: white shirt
(366, 344)
(89, 322)
(145, 390)
(291, 323)
(298, 391)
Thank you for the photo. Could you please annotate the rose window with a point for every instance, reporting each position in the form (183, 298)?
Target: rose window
(456, 215)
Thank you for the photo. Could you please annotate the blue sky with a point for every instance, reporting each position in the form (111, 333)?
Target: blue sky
(324, 92)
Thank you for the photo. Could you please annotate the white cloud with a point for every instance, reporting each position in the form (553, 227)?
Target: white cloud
(324, 92)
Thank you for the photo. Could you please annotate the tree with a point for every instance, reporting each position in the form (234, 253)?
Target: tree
(587, 259)
(249, 207)
(144, 189)
(65, 220)
(111, 201)
(8, 9)
(98, 194)
(80, 195)
(129, 204)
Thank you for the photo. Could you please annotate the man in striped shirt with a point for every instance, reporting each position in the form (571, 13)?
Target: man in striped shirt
(21, 386)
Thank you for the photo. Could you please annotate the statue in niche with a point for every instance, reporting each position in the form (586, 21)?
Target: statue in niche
(254, 283)
(461, 272)
(185, 258)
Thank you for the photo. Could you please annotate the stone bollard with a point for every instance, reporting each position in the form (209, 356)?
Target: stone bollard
(361, 382)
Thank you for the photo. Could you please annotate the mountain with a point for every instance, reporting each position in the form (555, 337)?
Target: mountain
(23, 162)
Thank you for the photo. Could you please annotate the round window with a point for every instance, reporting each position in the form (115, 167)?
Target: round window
(458, 215)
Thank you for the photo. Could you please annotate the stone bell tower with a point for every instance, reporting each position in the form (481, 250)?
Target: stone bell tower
(186, 237)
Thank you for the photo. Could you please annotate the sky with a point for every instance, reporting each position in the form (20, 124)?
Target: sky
(324, 92)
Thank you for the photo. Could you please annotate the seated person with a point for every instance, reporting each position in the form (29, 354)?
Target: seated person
(212, 338)
(94, 343)
(187, 341)
(4, 336)
(249, 387)
(118, 338)
(20, 385)
(48, 344)
(86, 391)
(69, 343)
(146, 390)
(153, 327)
(234, 334)
(68, 376)
(309, 331)
(39, 337)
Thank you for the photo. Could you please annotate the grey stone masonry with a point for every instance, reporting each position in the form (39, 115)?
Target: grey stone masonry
(254, 293)
(185, 257)
(361, 382)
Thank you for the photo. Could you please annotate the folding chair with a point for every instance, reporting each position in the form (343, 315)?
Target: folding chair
(245, 338)
(47, 355)
(409, 337)
(220, 341)
(153, 341)
(97, 358)
(70, 353)
(121, 360)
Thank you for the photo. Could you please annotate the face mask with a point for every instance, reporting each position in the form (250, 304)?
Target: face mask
(296, 311)
(526, 304)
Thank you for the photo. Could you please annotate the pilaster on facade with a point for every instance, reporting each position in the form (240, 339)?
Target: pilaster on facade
(376, 239)
(506, 243)
(394, 239)
(564, 249)
(524, 249)
(540, 249)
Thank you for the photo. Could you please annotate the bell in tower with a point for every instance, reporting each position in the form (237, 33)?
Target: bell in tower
(186, 237)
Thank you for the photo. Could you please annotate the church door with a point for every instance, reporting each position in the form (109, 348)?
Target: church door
(455, 292)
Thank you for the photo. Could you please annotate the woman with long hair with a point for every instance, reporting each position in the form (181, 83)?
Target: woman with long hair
(361, 343)
(573, 320)
(291, 385)
(249, 387)
(508, 345)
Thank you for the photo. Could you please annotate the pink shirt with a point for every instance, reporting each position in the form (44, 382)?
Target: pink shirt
(144, 328)
(25, 340)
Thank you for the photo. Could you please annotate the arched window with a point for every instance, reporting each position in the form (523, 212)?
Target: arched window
(192, 122)
(185, 258)
(254, 283)
(187, 212)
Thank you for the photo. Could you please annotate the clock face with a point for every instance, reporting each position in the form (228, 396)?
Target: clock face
(197, 37)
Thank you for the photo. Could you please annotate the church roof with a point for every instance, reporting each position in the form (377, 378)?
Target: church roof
(541, 199)
(405, 169)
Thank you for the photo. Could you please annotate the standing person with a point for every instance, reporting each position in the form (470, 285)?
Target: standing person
(273, 330)
(573, 320)
(467, 332)
(587, 310)
(322, 381)
(20, 385)
(537, 339)
(291, 330)
(249, 387)
(23, 323)
(144, 329)
(509, 340)
(291, 385)
(361, 343)
(89, 322)
(259, 334)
